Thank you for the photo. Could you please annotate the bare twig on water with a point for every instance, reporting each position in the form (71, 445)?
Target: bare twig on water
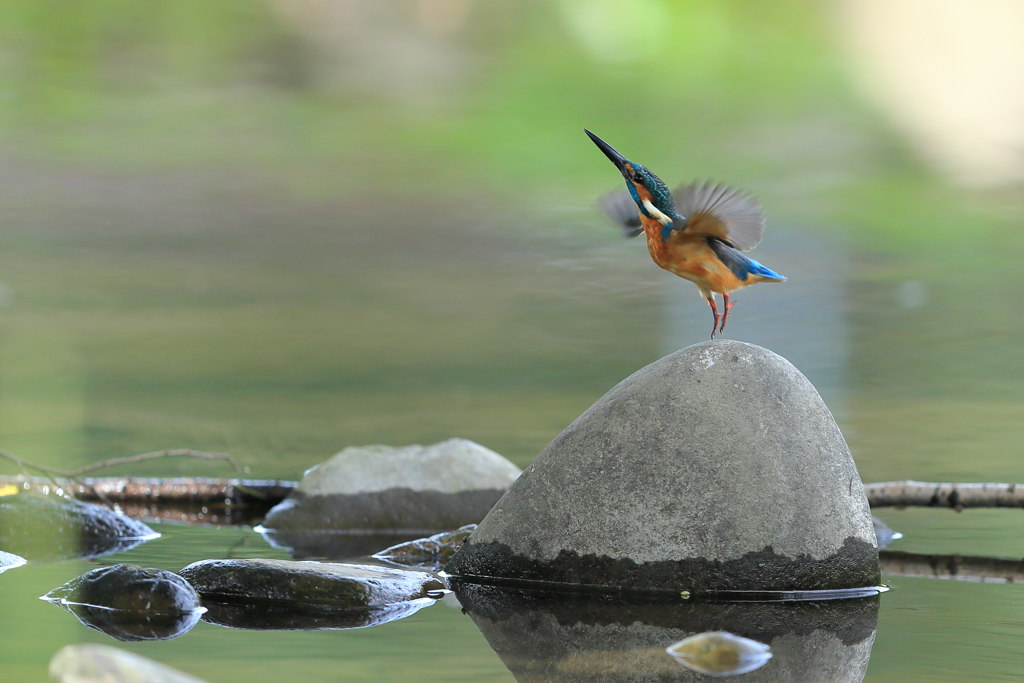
(954, 496)
(51, 473)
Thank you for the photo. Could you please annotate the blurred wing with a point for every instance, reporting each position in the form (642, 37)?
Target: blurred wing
(621, 208)
(721, 211)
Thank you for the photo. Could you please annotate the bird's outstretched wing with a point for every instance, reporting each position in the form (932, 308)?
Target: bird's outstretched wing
(721, 211)
(621, 208)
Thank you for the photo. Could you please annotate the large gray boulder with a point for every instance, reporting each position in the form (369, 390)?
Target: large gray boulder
(383, 488)
(717, 468)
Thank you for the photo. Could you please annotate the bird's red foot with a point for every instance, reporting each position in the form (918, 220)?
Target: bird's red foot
(719, 322)
(725, 316)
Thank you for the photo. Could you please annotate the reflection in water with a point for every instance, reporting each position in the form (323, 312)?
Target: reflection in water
(557, 637)
(133, 625)
(267, 616)
(720, 653)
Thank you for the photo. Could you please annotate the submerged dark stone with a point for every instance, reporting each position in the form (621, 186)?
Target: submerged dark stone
(264, 616)
(330, 545)
(48, 528)
(130, 603)
(716, 468)
(308, 583)
(429, 553)
(559, 637)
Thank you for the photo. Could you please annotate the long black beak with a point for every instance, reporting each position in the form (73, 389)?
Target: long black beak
(609, 151)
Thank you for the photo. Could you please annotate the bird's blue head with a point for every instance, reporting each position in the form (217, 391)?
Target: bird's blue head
(651, 195)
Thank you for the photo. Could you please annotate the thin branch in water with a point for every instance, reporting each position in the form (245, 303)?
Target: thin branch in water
(76, 474)
(173, 453)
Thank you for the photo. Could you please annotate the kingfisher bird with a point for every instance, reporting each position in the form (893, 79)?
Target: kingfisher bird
(698, 236)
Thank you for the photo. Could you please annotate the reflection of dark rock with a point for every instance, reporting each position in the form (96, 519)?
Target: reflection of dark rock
(429, 553)
(331, 545)
(104, 664)
(716, 468)
(130, 603)
(561, 637)
(307, 583)
(10, 561)
(381, 488)
(267, 616)
(46, 528)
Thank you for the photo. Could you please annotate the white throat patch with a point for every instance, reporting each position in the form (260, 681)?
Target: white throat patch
(654, 211)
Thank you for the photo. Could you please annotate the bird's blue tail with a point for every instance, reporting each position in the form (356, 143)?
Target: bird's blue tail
(755, 268)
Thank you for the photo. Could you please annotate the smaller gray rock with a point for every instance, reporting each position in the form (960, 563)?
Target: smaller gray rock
(49, 528)
(105, 664)
(308, 583)
(382, 488)
(130, 603)
(429, 553)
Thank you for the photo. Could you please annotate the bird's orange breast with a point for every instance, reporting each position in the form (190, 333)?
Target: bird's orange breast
(689, 256)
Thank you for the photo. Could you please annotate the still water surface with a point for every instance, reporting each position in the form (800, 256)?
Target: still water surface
(275, 229)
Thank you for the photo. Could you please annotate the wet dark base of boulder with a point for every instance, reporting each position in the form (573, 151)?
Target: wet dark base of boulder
(854, 566)
(398, 509)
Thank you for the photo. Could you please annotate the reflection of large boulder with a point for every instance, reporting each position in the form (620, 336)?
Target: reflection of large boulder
(47, 528)
(380, 488)
(307, 583)
(130, 603)
(716, 468)
(563, 638)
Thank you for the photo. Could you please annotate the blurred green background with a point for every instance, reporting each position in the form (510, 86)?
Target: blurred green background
(277, 228)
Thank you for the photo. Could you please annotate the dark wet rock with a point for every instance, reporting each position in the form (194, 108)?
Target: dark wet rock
(49, 528)
(883, 534)
(332, 545)
(382, 488)
(565, 638)
(429, 553)
(10, 561)
(87, 663)
(131, 603)
(264, 616)
(308, 583)
(717, 468)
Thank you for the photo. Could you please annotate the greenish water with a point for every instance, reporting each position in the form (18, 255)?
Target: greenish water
(255, 228)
